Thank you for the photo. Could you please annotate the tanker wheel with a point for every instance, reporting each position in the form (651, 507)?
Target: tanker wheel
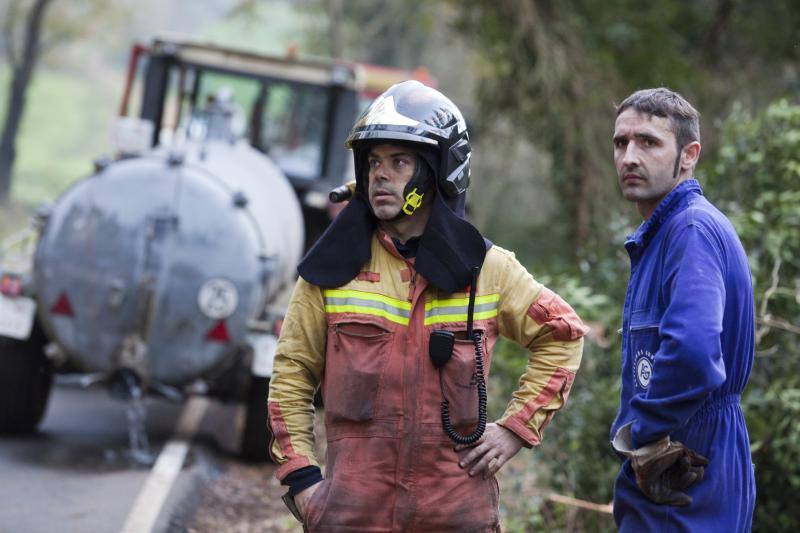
(26, 376)
(256, 435)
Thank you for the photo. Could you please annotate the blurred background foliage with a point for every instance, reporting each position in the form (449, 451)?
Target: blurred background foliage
(755, 179)
(537, 80)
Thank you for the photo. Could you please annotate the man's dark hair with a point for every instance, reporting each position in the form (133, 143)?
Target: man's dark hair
(663, 102)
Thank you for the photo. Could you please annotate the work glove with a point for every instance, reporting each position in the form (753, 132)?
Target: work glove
(664, 469)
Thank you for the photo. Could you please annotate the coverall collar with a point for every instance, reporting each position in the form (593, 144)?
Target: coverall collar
(675, 200)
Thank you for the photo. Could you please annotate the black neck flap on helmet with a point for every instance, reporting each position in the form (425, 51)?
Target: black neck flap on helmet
(412, 114)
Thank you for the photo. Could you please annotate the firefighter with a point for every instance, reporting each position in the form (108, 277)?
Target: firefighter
(395, 314)
(687, 335)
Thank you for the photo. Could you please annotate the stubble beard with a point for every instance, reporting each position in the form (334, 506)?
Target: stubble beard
(639, 194)
(387, 211)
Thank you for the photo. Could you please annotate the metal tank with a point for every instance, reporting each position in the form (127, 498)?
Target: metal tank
(157, 263)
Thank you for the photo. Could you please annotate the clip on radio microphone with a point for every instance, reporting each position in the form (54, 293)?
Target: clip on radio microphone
(440, 347)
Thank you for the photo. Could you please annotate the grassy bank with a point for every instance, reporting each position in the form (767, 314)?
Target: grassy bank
(65, 126)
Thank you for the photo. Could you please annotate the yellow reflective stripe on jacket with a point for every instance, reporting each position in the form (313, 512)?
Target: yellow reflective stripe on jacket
(367, 303)
(455, 309)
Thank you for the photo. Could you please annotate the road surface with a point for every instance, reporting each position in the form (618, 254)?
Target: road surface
(76, 474)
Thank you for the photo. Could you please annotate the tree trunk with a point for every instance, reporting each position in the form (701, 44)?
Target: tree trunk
(583, 228)
(335, 28)
(21, 76)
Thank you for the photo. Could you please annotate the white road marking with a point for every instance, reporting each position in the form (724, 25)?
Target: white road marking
(148, 504)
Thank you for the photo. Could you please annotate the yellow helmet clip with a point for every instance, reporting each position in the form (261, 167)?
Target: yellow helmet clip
(413, 201)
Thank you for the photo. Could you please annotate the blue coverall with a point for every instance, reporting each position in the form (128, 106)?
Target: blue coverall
(687, 352)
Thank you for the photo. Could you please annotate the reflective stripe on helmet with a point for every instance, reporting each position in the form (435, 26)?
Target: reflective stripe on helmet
(391, 133)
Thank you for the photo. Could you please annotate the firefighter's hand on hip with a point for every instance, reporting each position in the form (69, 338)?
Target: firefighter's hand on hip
(490, 453)
(302, 498)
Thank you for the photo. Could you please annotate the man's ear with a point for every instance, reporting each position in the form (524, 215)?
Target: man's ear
(689, 156)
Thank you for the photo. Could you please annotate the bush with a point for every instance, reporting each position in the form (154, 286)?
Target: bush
(756, 181)
(575, 457)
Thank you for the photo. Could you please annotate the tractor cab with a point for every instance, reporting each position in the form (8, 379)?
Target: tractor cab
(296, 111)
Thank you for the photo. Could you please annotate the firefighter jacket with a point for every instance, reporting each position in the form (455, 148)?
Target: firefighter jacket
(687, 352)
(389, 464)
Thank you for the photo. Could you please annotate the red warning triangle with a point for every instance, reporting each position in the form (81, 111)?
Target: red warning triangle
(218, 333)
(62, 306)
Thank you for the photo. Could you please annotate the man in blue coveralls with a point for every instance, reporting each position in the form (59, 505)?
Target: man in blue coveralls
(687, 335)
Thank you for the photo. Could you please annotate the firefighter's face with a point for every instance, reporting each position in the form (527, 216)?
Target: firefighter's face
(648, 160)
(391, 167)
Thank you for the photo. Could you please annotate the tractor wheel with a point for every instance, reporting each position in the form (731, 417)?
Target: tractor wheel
(26, 376)
(256, 435)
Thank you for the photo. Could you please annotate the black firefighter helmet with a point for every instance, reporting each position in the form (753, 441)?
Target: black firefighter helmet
(412, 112)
